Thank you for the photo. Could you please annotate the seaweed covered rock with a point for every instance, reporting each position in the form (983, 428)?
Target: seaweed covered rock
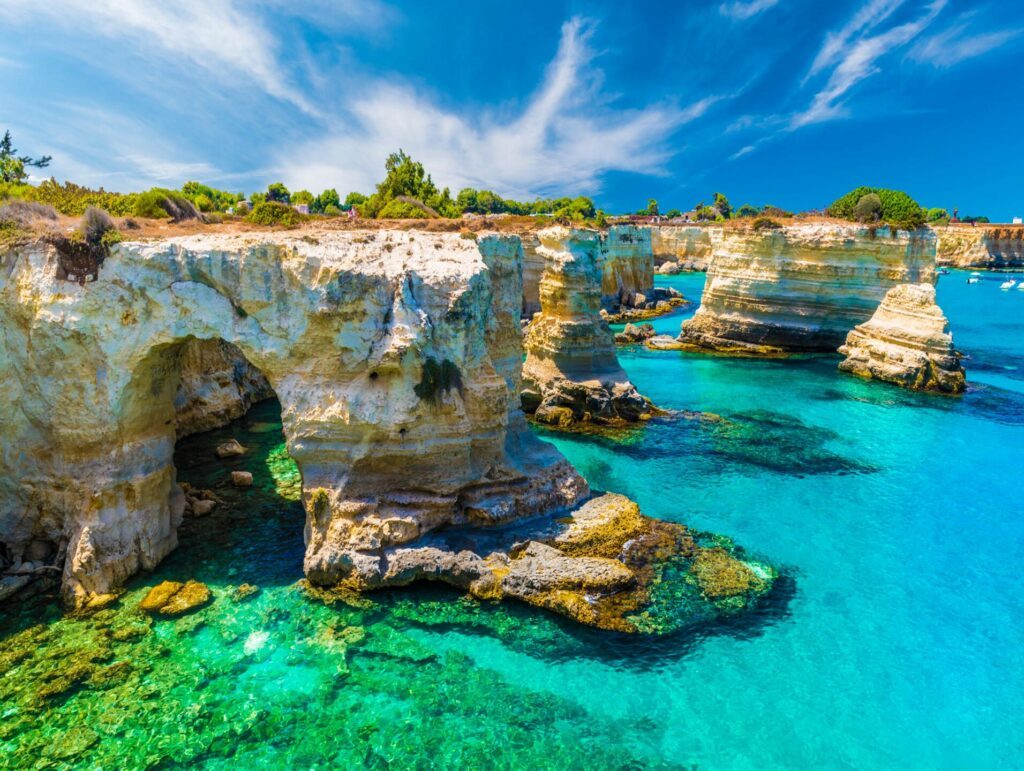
(906, 342)
(173, 598)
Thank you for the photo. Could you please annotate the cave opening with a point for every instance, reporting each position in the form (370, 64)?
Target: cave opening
(242, 491)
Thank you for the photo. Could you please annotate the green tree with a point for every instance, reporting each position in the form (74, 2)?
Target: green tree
(673, 213)
(327, 198)
(898, 208)
(652, 208)
(934, 215)
(302, 196)
(721, 204)
(746, 210)
(868, 208)
(13, 166)
(354, 199)
(279, 193)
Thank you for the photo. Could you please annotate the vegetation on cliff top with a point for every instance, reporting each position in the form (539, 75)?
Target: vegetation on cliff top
(881, 205)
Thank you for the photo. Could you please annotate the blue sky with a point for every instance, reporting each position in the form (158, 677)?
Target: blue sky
(788, 102)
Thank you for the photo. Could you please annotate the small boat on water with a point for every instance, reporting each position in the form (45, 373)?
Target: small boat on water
(973, 280)
(1008, 284)
(1020, 286)
(975, 273)
(943, 271)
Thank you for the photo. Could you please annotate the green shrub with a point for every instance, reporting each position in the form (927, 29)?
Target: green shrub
(868, 208)
(275, 213)
(898, 208)
(72, 200)
(934, 215)
(400, 210)
(746, 210)
(765, 223)
(161, 203)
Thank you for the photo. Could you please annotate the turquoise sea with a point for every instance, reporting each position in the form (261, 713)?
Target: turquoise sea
(894, 640)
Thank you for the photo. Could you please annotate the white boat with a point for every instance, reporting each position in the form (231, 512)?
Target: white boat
(973, 280)
(1020, 286)
(975, 273)
(1008, 284)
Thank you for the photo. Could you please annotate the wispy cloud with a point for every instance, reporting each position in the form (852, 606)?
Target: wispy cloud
(745, 10)
(853, 53)
(220, 37)
(565, 138)
(956, 44)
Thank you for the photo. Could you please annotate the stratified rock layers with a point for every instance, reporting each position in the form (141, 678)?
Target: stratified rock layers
(802, 287)
(218, 385)
(683, 247)
(572, 373)
(981, 247)
(395, 357)
(627, 265)
(906, 342)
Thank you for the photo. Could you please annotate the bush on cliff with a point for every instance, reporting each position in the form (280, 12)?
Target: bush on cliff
(898, 208)
(765, 223)
(275, 213)
(160, 203)
(868, 208)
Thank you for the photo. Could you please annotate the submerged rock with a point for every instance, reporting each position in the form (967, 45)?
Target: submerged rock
(173, 598)
(241, 478)
(230, 449)
(907, 342)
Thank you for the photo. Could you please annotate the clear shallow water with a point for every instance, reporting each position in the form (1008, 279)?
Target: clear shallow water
(897, 641)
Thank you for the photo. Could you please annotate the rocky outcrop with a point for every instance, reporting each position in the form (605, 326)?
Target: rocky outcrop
(396, 357)
(571, 374)
(802, 287)
(906, 342)
(986, 247)
(218, 385)
(683, 247)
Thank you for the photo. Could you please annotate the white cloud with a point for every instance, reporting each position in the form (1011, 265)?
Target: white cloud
(744, 10)
(853, 54)
(952, 45)
(742, 151)
(563, 140)
(217, 36)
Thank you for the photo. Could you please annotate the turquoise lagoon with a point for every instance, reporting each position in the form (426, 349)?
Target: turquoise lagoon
(896, 638)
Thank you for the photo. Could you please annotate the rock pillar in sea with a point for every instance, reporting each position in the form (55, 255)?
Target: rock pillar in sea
(572, 374)
(802, 287)
(906, 342)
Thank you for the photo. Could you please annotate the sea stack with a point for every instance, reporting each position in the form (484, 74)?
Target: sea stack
(801, 287)
(571, 374)
(906, 342)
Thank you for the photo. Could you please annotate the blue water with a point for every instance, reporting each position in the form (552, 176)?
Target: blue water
(902, 518)
(895, 639)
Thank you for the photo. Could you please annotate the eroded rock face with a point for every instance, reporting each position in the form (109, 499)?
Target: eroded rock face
(572, 374)
(627, 266)
(987, 247)
(683, 247)
(906, 342)
(395, 357)
(218, 385)
(802, 287)
(533, 269)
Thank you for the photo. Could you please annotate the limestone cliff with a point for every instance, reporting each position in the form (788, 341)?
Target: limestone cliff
(988, 247)
(394, 373)
(627, 265)
(533, 268)
(802, 287)
(571, 373)
(906, 342)
(218, 385)
(396, 357)
(683, 247)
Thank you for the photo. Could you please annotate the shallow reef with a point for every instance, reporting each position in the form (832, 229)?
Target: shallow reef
(241, 676)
